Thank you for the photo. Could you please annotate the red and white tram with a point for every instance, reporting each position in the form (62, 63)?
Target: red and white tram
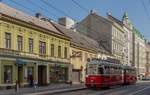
(102, 73)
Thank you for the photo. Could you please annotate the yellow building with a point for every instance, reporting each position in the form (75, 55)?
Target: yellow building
(31, 49)
(82, 49)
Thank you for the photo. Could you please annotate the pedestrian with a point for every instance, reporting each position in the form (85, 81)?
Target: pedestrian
(17, 86)
(35, 84)
(31, 82)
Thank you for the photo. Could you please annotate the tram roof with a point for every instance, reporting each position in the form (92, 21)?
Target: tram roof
(111, 64)
(104, 62)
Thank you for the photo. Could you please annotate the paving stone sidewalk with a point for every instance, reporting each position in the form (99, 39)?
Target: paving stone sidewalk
(33, 91)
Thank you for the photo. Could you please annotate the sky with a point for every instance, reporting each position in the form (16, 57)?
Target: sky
(138, 10)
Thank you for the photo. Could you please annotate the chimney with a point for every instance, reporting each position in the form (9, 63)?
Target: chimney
(67, 22)
(93, 11)
(109, 13)
(38, 15)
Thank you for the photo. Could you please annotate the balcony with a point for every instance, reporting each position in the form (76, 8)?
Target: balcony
(20, 54)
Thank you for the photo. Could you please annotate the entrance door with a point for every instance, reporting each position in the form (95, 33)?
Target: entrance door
(76, 75)
(42, 75)
(20, 74)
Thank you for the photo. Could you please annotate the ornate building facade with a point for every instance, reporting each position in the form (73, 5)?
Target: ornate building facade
(31, 48)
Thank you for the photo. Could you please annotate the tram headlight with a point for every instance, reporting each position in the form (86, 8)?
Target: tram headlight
(86, 76)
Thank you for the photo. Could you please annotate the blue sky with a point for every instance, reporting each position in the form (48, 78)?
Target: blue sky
(135, 9)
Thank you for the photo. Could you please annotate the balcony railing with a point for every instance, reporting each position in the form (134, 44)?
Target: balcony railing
(15, 53)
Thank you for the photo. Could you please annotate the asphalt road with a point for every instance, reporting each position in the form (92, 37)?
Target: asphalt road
(140, 88)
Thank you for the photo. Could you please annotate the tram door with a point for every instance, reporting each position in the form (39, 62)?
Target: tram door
(125, 75)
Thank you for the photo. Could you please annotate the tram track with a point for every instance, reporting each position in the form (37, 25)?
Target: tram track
(116, 90)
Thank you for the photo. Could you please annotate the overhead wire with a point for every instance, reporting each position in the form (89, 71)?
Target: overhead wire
(146, 10)
(31, 10)
(50, 5)
(47, 11)
(61, 11)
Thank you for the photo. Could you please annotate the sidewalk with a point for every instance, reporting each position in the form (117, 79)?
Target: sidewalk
(52, 88)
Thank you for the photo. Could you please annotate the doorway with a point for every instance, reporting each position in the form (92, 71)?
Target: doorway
(42, 75)
(20, 74)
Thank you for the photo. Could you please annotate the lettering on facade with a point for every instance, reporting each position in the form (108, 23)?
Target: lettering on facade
(76, 54)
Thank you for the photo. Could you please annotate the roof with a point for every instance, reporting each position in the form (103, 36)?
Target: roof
(138, 33)
(114, 19)
(125, 15)
(12, 12)
(78, 39)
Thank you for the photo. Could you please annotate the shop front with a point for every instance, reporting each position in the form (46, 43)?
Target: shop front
(42, 75)
(59, 73)
(13, 70)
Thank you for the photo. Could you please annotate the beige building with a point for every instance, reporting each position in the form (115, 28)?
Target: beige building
(105, 31)
(139, 52)
(82, 48)
(128, 39)
(147, 60)
(128, 29)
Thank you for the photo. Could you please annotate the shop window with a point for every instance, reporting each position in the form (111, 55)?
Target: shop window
(7, 74)
(8, 40)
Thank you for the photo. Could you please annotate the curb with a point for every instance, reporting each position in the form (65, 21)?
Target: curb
(55, 91)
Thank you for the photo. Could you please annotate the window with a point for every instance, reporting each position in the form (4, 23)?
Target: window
(42, 47)
(30, 45)
(100, 70)
(65, 52)
(8, 40)
(20, 42)
(59, 51)
(86, 56)
(7, 74)
(52, 49)
(80, 55)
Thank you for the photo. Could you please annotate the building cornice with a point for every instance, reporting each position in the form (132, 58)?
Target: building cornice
(83, 48)
(31, 26)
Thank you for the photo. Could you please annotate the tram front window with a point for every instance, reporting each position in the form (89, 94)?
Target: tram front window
(100, 70)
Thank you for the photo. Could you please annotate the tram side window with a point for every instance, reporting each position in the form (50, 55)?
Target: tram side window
(107, 70)
(111, 70)
(100, 70)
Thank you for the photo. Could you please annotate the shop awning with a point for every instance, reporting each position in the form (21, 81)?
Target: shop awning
(20, 62)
